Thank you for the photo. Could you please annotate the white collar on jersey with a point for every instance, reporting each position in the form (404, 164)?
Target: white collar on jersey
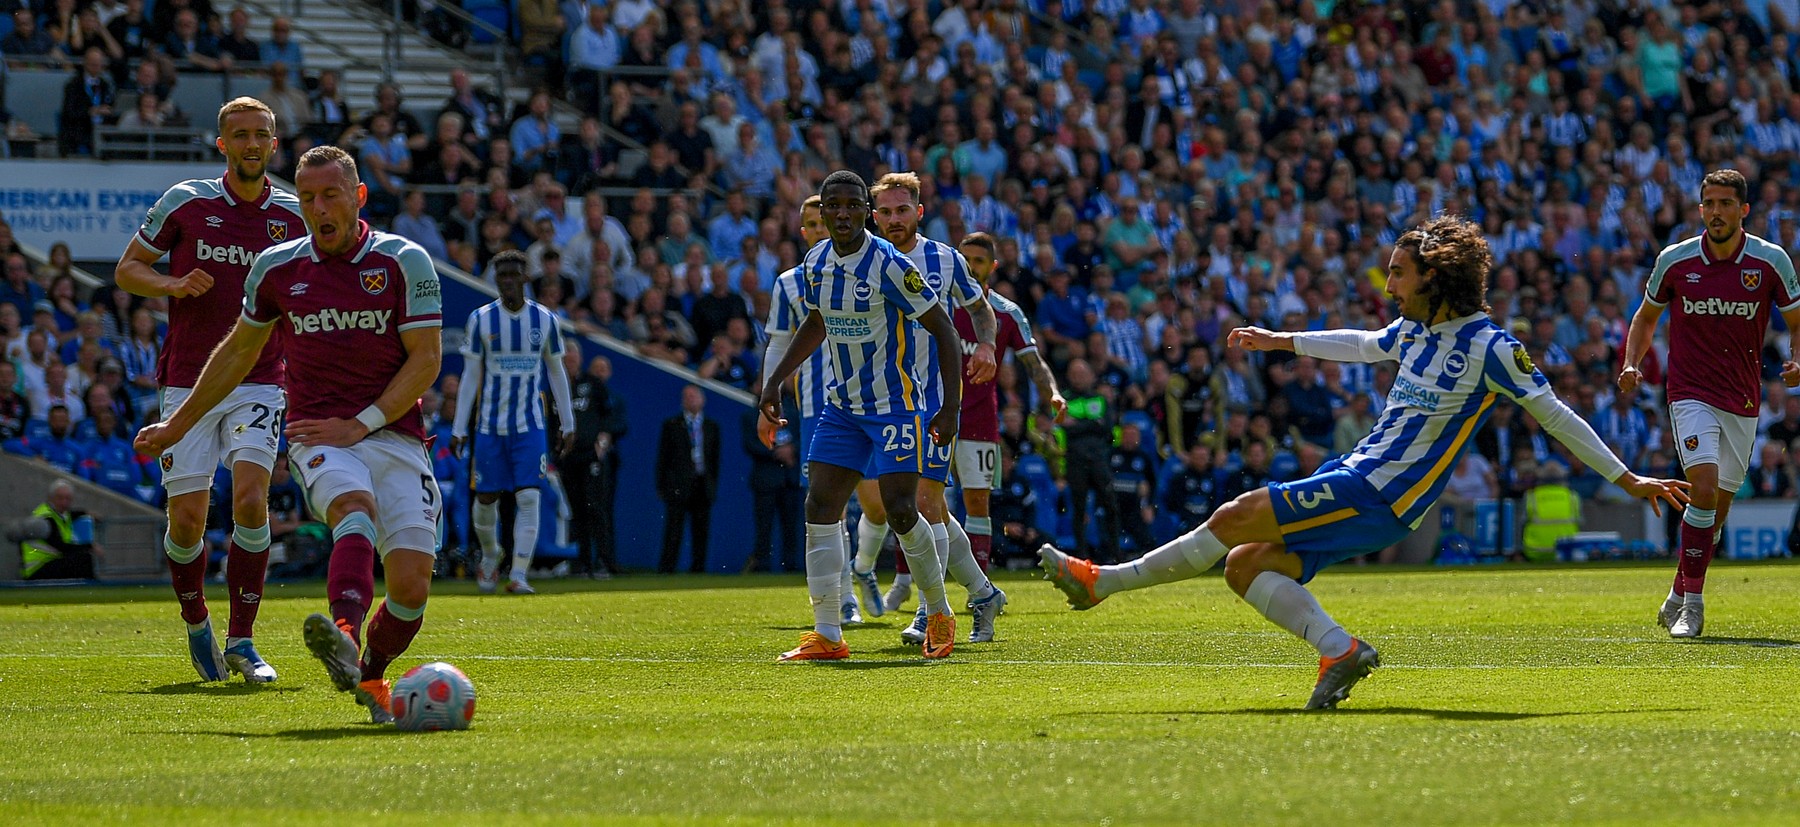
(1454, 324)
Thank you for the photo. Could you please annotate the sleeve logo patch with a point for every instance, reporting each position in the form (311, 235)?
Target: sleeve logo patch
(1523, 359)
(914, 282)
(426, 289)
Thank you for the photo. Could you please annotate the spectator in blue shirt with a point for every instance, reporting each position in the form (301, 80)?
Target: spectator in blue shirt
(692, 31)
(187, 45)
(281, 48)
(984, 156)
(59, 448)
(18, 289)
(728, 230)
(754, 167)
(535, 136)
(1062, 314)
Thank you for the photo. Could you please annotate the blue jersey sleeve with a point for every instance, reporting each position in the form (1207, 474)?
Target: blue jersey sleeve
(963, 287)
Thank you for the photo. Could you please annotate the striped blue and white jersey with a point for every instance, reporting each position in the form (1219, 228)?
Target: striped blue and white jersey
(1449, 376)
(867, 300)
(786, 311)
(512, 348)
(947, 274)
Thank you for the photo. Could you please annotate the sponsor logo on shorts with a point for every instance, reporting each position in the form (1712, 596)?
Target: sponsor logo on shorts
(1692, 443)
(316, 461)
(375, 280)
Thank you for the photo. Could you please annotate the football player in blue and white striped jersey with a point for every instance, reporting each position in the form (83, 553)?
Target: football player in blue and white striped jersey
(861, 297)
(1454, 363)
(509, 347)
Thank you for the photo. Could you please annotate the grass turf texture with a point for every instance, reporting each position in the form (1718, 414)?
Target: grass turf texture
(1510, 696)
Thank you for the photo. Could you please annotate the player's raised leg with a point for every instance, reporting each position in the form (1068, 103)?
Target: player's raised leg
(395, 624)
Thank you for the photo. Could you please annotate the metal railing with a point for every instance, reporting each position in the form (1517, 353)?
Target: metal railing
(113, 143)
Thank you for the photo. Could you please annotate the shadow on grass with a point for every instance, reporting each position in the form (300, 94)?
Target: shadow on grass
(1439, 714)
(865, 625)
(217, 689)
(1753, 642)
(323, 734)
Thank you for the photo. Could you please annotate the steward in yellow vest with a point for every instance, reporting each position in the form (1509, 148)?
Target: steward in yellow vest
(56, 542)
(1552, 512)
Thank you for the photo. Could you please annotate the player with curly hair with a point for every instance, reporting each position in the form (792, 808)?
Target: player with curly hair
(1454, 363)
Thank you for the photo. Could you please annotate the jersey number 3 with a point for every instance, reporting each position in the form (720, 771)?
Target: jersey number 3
(1310, 500)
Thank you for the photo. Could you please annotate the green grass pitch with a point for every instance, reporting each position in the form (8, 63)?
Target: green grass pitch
(1510, 696)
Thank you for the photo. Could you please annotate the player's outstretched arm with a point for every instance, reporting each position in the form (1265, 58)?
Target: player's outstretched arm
(137, 274)
(424, 359)
(1637, 343)
(805, 341)
(230, 362)
(1332, 345)
(1570, 429)
(938, 324)
(1045, 382)
(983, 364)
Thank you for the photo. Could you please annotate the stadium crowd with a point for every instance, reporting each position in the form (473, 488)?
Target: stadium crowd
(1156, 173)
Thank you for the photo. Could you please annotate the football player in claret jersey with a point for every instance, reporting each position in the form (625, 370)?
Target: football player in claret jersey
(508, 347)
(978, 443)
(211, 229)
(1454, 363)
(898, 210)
(360, 317)
(861, 296)
(1718, 288)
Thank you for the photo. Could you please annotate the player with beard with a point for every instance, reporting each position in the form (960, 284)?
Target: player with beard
(360, 316)
(1718, 287)
(897, 214)
(211, 229)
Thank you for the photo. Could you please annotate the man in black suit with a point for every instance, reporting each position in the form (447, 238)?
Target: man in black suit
(687, 478)
(1143, 114)
(592, 478)
(87, 103)
(776, 487)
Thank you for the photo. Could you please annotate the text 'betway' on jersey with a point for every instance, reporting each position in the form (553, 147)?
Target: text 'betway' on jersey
(329, 319)
(1717, 307)
(224, 255)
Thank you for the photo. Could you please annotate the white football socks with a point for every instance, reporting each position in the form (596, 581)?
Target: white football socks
(869, 535)
(1290, 606)
(927, 571)
(1184, 557)
(963, 566)
(824, 577)
(525, 531)
(486, 521)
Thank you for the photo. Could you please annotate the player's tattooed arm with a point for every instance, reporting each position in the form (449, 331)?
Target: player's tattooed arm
(983, 363)
(1045, 382)
(944, 424)
(230, 362)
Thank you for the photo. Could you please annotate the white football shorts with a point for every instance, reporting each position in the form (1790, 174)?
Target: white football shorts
(391, 466)
(1704, 434)
(978, 464)
(246, 427)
